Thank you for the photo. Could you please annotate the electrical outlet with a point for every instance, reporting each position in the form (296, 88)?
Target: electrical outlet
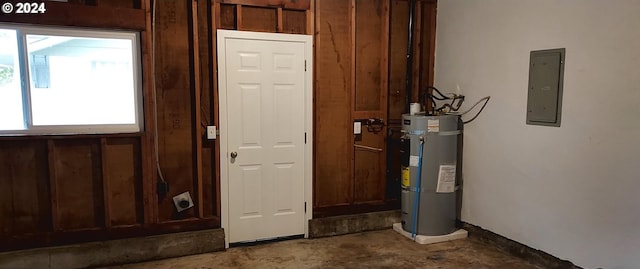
(183, 201)
(211, 132)
(357, 127)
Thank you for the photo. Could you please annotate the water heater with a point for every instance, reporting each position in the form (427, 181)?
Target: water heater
(431, 172)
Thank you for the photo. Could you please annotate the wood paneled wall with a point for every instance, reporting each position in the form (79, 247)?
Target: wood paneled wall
(333, 148)
(174, 87)
(55, 186)
(76, 188)
(360, 48)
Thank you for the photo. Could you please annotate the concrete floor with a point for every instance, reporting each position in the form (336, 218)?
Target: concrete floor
(378, 249)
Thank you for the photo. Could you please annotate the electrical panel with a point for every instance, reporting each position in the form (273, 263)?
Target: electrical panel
(546, 73)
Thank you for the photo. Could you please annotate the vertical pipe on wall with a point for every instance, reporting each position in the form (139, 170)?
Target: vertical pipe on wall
(409, 79)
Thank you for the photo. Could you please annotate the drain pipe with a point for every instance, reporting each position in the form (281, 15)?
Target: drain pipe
(416, 195)
(409, 77)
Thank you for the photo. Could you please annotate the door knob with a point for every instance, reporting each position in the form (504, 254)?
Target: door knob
(234, 154)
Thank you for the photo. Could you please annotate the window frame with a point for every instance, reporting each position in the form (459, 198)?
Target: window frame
(25, 81)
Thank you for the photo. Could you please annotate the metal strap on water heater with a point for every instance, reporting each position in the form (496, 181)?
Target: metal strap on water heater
(414, 189)
(447, 133)
(443, 133)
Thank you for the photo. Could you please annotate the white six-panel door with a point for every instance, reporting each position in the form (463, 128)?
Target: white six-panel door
(263, 90)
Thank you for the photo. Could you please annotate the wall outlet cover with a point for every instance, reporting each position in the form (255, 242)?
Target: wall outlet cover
(183, 201)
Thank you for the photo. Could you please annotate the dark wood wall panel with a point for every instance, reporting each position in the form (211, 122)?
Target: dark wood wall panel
(206, 107)
(122, 167)
(6, 195)
(119, 3)
(258, 19)
(63, 189)
(208, 182)
(377, 32)
(76, 188)
(290, 4)
(369, 168)
(333, 148)
(24, 188)
(294, 21)
(428, 37)
(83, 14)
(370, 96)
(398, 24)
(369, 22)
(78, 180)
(215, 107)
(79, 2)
(397, 58)
(228, 18)
(173, 82)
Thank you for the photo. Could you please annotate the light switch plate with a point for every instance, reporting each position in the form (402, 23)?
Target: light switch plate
(357, 127)
(211, 132)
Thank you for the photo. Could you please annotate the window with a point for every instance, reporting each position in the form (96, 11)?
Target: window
(62, 81)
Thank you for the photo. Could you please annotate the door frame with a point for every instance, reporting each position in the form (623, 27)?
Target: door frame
(222, 36)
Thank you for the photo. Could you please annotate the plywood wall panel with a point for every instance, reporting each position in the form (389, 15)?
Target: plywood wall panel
(173, 83)
(31, 199)
(6, 196)
(259, 19)
(122, 166)
(148, 142)
(294, 21)
(369, 169)
(333, 150)
(206, 106)
(215, 117)
(397, 58)
(119, 3)
(369, 21)
(208, 180)
(428, 37)
(24, 188)
(417, 51)
(57, 189)
(6, 188)
(78, 179)
(228, 17)
(290, 4)
(82, 14)
(370, 95)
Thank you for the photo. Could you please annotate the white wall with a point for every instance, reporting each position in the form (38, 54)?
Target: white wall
(573, 191)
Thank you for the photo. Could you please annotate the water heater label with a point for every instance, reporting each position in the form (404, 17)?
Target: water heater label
(433, 126)
(413, 161)
(406, 177)
(446, 178)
